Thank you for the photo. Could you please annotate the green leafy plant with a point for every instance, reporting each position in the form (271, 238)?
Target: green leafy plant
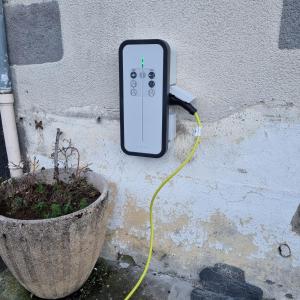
(17, 203)
(67, 208)
(33, 197)
(56, 210)
(40, 188)
(83, 203)
(41, 209)
(56, 187)
(40, 206)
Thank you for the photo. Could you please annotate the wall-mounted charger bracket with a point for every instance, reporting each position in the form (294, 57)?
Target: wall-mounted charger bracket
(176, 93)
(181, 94)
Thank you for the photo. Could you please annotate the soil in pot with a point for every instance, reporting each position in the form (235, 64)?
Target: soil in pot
(31, 199)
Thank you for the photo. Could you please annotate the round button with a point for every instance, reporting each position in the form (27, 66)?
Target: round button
(133, 74)
(133, 83)
(133, 92)
(143, 74)
(151, 75)
(151, 92)
(151, 83)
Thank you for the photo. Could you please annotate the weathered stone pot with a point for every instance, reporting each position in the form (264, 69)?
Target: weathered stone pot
(52, 258)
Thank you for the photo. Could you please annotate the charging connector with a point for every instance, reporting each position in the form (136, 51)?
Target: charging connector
(173, 100)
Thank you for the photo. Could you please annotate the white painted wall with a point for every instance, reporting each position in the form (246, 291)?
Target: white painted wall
(235, 201)
(228, 55)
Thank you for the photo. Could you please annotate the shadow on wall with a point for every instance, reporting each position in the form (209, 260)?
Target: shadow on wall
(289, 37)
(4, 172)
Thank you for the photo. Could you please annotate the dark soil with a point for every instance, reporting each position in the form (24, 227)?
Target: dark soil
(30, 199)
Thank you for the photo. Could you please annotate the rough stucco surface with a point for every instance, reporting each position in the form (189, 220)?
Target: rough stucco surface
(235, 201)
(228, 55)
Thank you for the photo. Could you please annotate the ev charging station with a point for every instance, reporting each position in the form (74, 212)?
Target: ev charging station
(147, 78)
(147, 70)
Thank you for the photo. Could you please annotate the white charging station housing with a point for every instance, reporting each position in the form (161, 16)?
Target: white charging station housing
(144, 67)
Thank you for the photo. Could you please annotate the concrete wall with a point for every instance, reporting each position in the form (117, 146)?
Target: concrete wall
(235, 201)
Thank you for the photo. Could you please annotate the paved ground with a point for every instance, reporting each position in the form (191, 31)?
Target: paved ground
(109, 280)
(3, 159)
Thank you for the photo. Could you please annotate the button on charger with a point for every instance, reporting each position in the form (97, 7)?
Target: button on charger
(151, 83)
(151, 75)
(133, 92)
(133, 74)
(133, 83)
(151, 92)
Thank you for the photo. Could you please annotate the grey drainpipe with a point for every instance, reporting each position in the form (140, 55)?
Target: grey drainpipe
(6, 106)
(5, 82)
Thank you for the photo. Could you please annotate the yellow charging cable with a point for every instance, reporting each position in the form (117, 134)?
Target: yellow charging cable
(175, 172)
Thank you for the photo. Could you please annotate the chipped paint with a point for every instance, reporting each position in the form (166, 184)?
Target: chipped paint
(233, 203)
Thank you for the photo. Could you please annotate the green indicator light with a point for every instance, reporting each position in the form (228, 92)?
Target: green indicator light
(142, 61)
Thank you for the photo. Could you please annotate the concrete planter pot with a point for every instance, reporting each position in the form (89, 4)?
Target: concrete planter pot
(52, 258)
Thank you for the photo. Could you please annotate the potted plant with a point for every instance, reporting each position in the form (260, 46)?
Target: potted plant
(52, 224)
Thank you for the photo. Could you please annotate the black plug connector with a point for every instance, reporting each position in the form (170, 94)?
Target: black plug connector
(187, 106)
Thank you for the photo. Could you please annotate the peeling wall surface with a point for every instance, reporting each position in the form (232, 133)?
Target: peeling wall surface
(235, 201)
